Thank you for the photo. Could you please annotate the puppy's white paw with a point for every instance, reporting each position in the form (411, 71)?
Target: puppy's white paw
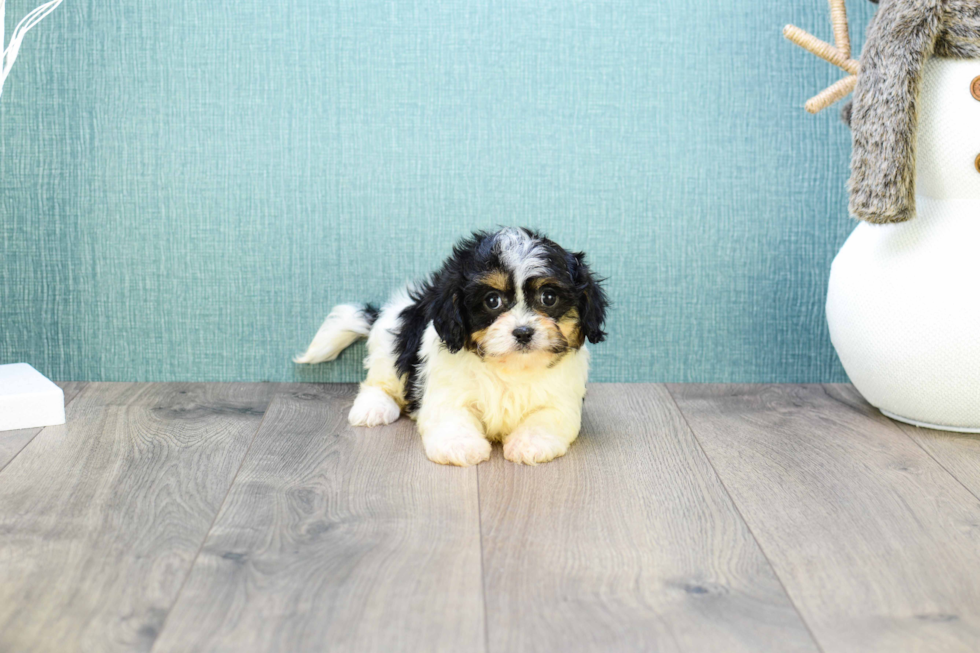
(373, 407)
(531, 446)
(457, 448)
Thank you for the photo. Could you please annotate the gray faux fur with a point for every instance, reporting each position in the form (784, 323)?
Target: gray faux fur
(902, 35)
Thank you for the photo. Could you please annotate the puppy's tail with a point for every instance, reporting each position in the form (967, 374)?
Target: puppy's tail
(346, 324)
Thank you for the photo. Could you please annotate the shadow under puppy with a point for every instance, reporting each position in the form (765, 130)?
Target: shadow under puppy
(490, 347)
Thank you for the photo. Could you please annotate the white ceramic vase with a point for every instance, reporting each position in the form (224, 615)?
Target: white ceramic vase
(903, 303)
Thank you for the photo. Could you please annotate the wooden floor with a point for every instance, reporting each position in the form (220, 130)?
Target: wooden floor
(251, 517)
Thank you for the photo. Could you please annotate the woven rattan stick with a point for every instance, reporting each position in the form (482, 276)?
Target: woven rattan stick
(833, 94)
(822, 49)
(838, 17)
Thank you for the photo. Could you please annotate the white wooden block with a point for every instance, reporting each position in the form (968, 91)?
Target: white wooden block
(28, 399)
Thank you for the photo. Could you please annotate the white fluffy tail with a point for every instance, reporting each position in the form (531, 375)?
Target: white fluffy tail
(346, 324)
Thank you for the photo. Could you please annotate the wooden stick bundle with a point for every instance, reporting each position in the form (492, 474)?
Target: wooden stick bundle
(838, 54)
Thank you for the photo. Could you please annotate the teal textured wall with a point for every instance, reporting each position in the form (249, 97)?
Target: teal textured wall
(187, 187)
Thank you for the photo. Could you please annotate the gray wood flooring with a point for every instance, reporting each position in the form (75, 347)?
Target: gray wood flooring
(251, 517)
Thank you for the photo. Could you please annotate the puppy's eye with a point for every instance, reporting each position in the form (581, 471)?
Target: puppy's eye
(492, 301)
(549, 297)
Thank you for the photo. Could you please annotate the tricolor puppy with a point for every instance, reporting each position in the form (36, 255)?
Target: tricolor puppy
(491, 347)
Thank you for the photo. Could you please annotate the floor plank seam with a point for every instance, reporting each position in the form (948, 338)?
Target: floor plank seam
(27, 444)
(214, 520)
(483, 569)
(748, 526)
(941, 466)
(901, 429)
(34, 437)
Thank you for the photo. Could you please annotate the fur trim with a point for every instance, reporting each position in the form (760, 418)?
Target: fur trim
(901, 37)
(882, 117)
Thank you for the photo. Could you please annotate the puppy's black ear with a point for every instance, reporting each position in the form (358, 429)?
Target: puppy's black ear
(447, 314)
(592, 301)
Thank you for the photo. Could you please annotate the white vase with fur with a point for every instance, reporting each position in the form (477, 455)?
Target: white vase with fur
(903, 303)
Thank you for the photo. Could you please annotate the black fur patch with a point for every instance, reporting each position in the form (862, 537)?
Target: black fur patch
(593, 302)
(370, 313)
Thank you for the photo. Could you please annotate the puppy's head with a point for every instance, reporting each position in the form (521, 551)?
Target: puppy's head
(516, 294)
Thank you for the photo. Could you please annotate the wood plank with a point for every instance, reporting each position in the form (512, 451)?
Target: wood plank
(112, 393)
(337, 538)
(71, 389)
(876, 543)
(628, 542)
(12, 442)
(100, 519)
(958, 453)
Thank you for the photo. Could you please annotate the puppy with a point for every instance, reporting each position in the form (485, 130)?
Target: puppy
(490, 347)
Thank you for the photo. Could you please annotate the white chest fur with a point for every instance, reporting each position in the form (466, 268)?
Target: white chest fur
(500, 393)
(902, 300)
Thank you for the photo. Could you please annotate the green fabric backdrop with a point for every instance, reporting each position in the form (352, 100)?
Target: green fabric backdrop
(188, 187)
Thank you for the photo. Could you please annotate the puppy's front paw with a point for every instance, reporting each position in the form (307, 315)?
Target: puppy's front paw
(531, 446)
(456, 448)
(373, 407)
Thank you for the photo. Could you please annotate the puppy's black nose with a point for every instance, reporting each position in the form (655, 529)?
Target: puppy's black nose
(523, 334)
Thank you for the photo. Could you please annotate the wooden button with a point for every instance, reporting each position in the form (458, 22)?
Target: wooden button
(976, 163)
(975, 88)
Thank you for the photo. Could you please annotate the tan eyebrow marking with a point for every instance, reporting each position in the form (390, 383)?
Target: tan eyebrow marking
(496, 279)
(536, 284)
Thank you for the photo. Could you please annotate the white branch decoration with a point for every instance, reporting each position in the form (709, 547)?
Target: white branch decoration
(8, 54)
